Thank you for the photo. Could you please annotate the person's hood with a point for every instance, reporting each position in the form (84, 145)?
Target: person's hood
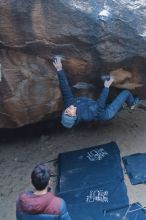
(34, 204)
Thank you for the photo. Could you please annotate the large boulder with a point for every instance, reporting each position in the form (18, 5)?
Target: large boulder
(92, 36)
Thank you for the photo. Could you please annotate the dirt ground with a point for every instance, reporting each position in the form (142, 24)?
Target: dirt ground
(20, 153)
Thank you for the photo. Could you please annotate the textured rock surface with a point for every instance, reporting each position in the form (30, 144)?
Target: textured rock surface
(93, 36)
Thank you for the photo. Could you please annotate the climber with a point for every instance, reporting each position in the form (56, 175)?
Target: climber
(78, 109)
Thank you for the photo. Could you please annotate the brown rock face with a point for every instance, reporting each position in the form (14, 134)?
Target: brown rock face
(92, 37)
(29, 89)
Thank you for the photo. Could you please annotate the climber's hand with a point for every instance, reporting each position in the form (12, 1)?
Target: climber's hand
(107, 83)
(57, 63)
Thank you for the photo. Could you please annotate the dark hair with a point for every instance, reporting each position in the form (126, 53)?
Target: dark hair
(40, 176)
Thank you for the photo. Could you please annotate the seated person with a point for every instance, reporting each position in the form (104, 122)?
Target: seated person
(78, 109)
(41, 201)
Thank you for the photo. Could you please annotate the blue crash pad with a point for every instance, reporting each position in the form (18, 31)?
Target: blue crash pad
(135, 166)
(130, 212)
(90, 166)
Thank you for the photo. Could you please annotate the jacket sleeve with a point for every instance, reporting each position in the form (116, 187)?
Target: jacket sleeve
(64, 215)
(101, 102)
(68, 97)
(18, 214)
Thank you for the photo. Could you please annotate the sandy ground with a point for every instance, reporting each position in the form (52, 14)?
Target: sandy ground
(19, 154)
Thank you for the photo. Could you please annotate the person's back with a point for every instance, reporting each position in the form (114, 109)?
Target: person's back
(41, 202)
(86, 109)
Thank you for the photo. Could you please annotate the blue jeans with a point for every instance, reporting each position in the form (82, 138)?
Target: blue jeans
(109, 111)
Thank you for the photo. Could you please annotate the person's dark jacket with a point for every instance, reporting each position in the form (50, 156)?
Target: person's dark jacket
(45, 207)
(87, 109)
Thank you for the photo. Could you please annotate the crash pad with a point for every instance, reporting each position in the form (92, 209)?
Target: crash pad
(135, 166)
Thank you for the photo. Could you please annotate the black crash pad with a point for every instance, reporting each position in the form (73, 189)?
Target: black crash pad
(89, 166)
(130, 212)
(113, 194)
(89, 203)
(91, 181)
(135, 166)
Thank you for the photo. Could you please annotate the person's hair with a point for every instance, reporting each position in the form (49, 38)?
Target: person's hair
(40, 177)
